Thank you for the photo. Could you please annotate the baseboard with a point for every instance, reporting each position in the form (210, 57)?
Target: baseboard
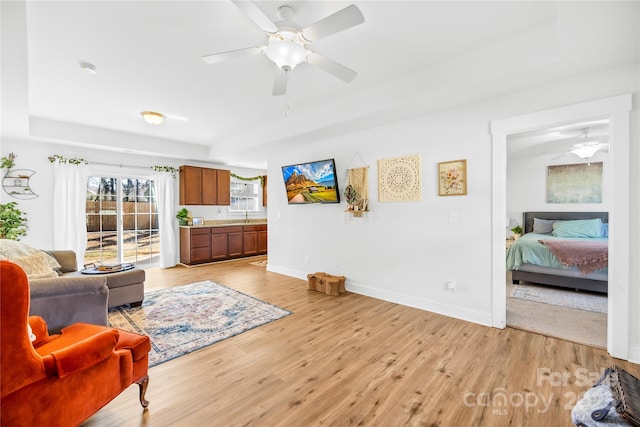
(474, 316)
(634, 354)
(287, 271)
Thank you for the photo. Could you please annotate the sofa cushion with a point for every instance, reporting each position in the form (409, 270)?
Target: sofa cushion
(120, 278)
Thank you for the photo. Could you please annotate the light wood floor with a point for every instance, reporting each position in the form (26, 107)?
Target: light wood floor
(354, 360)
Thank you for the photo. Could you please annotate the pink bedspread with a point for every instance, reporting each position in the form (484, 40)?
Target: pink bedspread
(586, 256)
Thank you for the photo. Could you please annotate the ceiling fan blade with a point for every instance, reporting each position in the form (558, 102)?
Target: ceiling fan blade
(279, 82)
(232, 54)
(256, 15)
(332, 67)
(348, 17)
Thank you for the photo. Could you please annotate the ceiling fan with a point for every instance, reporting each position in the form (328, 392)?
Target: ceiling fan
(586, 146)
(287, 43)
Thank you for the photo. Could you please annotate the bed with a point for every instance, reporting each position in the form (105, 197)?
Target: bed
(570, 254)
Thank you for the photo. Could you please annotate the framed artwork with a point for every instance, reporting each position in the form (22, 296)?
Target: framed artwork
(577, 183)
(197, 220)
(400, 179)
(452, 178)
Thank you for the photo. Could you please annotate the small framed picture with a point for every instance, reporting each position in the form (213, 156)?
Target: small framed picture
(197, 220)
(452, 178)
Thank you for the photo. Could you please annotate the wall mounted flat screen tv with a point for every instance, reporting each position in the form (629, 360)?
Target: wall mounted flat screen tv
(313, 182)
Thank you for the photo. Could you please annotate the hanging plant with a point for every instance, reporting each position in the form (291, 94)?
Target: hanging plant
(71, 161)
(169, 169)
(249, 178)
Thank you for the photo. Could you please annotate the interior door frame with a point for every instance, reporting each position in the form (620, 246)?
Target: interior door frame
(617, 108)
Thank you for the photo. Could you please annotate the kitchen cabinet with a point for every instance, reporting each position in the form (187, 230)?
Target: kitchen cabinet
(264, 190)
(262, 241)
(255, 239)
(195, 246)
(235, 242)
(206, 244)
(204, 186)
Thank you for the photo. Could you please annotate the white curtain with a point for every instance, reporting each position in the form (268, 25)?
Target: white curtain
(165, 189)
(69, 208)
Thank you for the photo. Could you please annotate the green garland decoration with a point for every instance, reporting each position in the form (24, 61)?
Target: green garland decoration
(171, 169)
(252, 178)
(72, 161)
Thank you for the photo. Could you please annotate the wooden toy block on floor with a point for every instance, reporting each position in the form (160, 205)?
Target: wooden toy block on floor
(327, 283)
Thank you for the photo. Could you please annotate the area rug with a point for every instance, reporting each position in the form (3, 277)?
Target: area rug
(186, 318)
(561, 297)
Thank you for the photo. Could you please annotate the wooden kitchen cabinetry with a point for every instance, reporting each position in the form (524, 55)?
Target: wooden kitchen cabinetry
(235, 242)
(204, 186)
(255, 239)
(195, 245)
(262, 240)
(206, 244)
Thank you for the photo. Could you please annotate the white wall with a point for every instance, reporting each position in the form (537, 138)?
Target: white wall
(527, 185)
(406, 252)
(33, 155)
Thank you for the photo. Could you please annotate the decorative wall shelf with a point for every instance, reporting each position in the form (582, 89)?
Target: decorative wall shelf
(16, 184)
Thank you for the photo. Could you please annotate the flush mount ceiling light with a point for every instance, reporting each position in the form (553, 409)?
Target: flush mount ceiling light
(152, 117)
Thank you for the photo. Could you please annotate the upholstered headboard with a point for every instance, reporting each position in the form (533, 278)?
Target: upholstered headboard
(527, 217)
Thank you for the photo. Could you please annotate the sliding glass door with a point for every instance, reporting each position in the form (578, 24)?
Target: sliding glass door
(122, 221)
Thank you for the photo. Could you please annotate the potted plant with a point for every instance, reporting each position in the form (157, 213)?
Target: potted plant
(183, 216)
(517, 232)
(13, 223)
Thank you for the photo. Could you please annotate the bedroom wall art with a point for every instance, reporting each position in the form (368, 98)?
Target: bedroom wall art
(452, 178)
(575, 183)
(400, 179)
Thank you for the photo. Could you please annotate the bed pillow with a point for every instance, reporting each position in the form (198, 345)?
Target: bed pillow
(578, 228)
(605, 229)
(543, 226)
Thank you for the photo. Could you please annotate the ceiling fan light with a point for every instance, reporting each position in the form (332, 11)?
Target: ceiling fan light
(152, 117)
(586, 151)
(286, 53)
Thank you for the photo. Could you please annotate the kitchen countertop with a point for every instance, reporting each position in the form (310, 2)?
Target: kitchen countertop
(228, 223)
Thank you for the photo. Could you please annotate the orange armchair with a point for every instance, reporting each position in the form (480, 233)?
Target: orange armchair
(62, 379)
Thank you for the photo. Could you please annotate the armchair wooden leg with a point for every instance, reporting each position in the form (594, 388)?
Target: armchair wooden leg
(143, 384)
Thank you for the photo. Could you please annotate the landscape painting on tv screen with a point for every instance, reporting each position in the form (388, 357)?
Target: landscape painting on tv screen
(313, 182)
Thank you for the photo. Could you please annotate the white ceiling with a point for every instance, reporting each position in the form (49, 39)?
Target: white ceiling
(411, 57)
(558, 141)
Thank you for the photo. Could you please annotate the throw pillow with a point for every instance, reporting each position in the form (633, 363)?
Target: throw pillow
(35, 265)
(13, 249)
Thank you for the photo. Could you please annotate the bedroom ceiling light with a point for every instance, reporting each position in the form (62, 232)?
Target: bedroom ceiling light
(587, 147)
(152, 117)
(587, 150)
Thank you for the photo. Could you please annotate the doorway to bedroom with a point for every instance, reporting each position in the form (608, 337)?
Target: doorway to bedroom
(617, 109)
(580, 149)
